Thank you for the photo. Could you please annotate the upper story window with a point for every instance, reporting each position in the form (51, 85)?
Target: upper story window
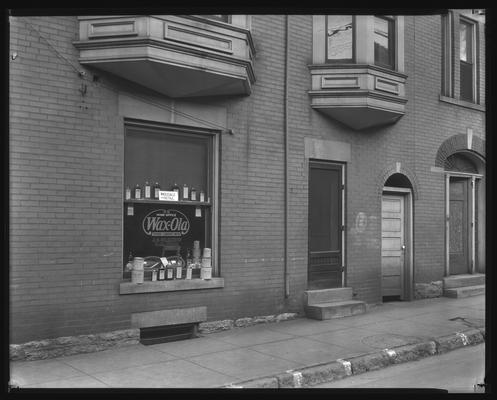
(219, 17)
(384, 42)
(467, 60)
(339, 34)
(461, 62)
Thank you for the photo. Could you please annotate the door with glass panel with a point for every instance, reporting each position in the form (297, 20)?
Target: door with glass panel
(325, 226)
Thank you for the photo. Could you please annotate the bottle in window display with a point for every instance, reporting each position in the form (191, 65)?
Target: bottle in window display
(128, 193)
(202, 196)
(185, 192)
(193, 194)
(156, 190)
(170, 272)
(175, 188)
(147, 190)
(138, 192)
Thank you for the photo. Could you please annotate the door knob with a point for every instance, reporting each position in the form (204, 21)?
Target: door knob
(403, 247)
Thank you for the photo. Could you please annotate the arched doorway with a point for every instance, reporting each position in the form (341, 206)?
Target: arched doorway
(396, 238)
(465, 206)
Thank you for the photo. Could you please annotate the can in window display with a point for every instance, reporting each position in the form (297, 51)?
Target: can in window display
(179, 272)
(169, 272)
(162, 273)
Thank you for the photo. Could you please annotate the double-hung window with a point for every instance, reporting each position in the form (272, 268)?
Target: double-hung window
(339, 35)
(467, 76)
(384, 42)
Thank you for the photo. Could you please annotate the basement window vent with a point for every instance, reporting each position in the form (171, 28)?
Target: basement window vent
(388, 299)
(167, 333)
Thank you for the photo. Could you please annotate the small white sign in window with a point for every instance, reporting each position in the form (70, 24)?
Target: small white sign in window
(165, 195)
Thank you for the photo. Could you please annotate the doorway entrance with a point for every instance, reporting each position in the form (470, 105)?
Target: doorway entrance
(392, 245)
(465, 208)
(326, 220)
(459, 260)
(396, 244)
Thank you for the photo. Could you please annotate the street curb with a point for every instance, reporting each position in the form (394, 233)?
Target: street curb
(339, 369)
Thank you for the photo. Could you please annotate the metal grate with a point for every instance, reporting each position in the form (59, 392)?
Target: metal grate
(167, 333)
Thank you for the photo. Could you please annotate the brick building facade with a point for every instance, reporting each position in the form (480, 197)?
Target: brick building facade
(71, 104)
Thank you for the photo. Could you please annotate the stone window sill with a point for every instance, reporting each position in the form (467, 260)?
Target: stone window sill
(126, 287)
(461, 103)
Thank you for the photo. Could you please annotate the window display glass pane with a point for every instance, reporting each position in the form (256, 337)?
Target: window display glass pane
(154, 228)
(339, 38)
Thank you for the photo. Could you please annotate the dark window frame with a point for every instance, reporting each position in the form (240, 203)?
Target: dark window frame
(448, 54)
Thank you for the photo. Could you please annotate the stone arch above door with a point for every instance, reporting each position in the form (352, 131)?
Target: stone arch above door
(398, 168)
(472, 146)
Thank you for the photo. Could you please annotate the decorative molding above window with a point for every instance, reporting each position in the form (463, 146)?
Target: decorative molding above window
(176, 55)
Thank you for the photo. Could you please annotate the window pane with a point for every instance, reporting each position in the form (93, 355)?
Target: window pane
(466, 72)
(383, 42)
(339, 38)
(219, 17)
(166, 157)
(465, 42)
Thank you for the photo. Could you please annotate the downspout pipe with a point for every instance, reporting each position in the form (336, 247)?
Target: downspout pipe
(286, 147)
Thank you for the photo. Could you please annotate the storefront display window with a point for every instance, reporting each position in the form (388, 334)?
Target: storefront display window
(168, 202)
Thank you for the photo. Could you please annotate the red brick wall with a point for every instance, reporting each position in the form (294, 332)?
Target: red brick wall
(66, 166)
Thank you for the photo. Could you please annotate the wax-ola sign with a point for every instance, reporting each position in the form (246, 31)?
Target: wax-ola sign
(166, 223)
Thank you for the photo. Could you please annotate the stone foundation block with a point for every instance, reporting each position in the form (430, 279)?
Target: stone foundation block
(428, 290)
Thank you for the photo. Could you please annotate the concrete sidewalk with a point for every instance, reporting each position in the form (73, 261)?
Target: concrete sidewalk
(293, 353)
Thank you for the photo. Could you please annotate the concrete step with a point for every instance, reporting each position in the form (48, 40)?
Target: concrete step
(312, 297)
(456, 281)
(336, 309)
(465, 291)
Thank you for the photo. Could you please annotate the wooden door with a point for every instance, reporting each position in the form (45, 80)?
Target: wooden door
(325, 226)
(458, 226)
(392, 245)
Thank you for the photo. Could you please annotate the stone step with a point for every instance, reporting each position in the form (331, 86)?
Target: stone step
(456, 281)
(312, 297)
(336, 309)
(465, 291)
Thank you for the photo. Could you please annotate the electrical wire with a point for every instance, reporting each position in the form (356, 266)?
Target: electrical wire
(82, 75)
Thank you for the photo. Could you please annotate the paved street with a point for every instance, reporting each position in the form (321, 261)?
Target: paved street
(456, 371)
